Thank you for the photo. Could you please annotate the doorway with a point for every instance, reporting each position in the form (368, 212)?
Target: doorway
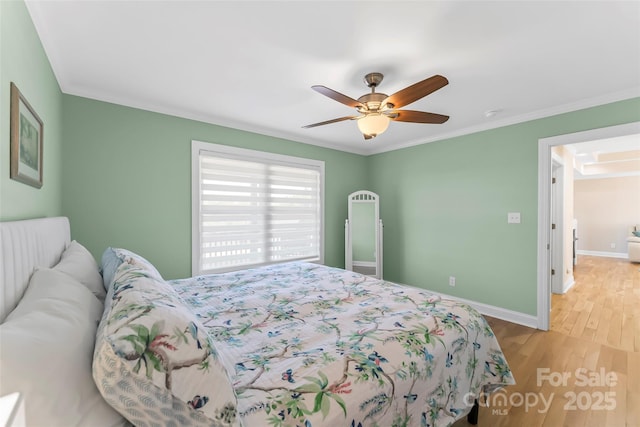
(545, 204)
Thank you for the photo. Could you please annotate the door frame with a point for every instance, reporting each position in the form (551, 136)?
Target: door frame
(544, 205)
(557, 218)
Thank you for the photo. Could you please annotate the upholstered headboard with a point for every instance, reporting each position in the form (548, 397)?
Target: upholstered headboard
(24, 246)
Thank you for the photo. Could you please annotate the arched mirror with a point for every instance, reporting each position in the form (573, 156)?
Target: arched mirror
(363, 234)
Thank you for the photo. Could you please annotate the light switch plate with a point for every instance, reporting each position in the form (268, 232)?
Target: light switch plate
(513, 218)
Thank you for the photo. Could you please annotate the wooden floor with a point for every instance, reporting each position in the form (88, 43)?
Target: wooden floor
(594, 343)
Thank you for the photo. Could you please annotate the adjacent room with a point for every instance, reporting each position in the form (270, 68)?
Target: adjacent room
(308, 213)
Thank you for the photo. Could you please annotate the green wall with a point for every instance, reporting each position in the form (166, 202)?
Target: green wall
(445, 204)
(23, 61)
(127, 180)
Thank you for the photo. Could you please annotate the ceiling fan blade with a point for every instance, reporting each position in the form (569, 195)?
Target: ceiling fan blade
(328, 122)
(416, 116)
(337, 96)
(416, 91)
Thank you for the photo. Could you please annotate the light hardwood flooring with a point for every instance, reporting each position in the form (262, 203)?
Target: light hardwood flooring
(595, 335)
(603, 306)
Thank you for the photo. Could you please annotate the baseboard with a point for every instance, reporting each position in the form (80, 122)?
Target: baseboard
(493, 311)
(501, 313)
(568, 284)
(621, 255)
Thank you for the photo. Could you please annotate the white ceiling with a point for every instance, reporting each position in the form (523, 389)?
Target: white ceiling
(606, 158)
(250, 65)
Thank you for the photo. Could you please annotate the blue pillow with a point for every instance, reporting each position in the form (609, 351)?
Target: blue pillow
(110, 262)
(113, 257)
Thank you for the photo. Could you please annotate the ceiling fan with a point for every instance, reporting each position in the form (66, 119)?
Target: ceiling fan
(378, 109)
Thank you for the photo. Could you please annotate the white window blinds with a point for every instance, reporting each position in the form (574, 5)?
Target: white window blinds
(256, 208)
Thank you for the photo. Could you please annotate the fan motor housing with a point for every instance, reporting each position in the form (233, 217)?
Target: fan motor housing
(373, 100)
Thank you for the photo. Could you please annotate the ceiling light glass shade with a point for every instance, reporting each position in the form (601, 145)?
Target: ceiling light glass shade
(373, 124)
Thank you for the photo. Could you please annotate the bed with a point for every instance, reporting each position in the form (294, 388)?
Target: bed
(294, 344)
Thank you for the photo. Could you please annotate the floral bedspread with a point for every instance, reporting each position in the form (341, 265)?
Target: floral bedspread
(308, 345)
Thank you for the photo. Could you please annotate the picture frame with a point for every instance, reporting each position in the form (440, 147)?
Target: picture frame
(26, 129)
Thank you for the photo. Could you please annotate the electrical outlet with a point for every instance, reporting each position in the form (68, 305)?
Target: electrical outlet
(613, 246)
(452, 280)
(513, 218)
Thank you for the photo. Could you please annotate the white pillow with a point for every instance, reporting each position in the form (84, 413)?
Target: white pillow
(78, 263)
(46, 352)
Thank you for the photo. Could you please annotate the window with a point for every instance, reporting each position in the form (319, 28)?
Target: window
(252, 208)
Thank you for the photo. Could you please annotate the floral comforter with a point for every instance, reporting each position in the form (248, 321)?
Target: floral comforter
(308, 345)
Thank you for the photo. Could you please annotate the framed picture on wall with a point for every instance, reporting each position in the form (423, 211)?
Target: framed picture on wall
(26, 141)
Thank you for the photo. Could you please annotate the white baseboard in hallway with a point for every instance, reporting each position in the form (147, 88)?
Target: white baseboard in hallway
(622, 255)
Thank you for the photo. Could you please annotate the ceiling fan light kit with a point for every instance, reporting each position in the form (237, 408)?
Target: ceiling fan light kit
(373, 124)
(378, 109)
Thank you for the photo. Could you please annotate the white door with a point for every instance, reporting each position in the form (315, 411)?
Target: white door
(557, 238)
